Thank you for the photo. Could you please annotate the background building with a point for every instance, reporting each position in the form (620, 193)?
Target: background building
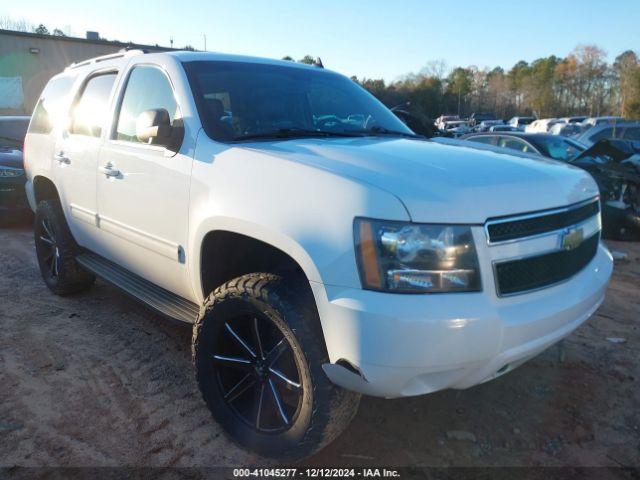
(29, 60)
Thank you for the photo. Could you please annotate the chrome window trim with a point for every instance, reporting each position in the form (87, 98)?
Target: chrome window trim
(542, 213)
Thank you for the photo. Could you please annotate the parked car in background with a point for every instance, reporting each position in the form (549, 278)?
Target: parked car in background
(541, 125)
(552, 146)
(520, 122)
(13, 200)
(614, 167)
(456, 128)
(578, 119)
(477, 118)
(567, 129)
(504, 128)
(617, 130)
(593, 121)
(485, 125)
(442, 119)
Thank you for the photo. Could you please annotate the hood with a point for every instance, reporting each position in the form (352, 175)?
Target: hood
(443, 183)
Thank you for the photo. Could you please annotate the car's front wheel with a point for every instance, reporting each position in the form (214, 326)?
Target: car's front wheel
(258, 351)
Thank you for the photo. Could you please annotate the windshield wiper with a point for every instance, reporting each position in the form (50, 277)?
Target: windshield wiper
(289, 133)
(380, 131)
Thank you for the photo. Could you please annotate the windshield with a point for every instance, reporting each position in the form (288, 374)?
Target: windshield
(560, 148)
(239, 101)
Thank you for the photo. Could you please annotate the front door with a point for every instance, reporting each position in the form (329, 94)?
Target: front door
(143, 189)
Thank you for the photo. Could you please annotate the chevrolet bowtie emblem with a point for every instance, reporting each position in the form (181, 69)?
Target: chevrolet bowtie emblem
(572, 238)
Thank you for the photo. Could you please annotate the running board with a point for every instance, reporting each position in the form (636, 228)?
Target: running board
(161, 300)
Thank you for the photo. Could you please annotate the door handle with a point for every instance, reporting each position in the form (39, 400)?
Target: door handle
(61, 159)
(109, 171)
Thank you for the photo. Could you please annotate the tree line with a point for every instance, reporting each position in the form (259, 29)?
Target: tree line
(582, 83)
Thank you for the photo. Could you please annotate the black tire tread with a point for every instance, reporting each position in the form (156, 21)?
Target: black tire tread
(72, 278)
(333, 408)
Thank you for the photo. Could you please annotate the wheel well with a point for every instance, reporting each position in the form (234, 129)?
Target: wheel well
(227, 255)
(44, 189)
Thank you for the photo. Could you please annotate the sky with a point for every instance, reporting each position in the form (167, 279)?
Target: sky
(373, 39)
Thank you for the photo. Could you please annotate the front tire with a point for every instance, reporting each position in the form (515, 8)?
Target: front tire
(56, 251)
(258, 351)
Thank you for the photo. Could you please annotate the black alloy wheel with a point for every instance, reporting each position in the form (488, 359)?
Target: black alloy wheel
(47, 244)
(258, 351)
(57, 250)
(257, 373)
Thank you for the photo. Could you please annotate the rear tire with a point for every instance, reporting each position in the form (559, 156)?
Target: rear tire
(288, 415)
(56, 251)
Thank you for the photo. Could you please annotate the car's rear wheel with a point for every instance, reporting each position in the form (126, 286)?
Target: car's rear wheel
(258, 352)
(56, 251)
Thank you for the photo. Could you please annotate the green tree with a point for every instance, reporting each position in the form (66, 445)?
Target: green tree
(515, 78)
(632, 106)
(539, 86)
(41, 29)
(459, 85)
(626, 67)
(308, 59)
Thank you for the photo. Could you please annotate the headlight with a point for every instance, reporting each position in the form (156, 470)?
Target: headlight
(416, 258)
(11, 172)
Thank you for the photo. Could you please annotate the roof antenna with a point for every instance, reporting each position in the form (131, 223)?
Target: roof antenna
(318, 63)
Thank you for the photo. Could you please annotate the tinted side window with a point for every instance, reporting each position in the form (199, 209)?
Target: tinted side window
(632, 133)
(147, 88)
(485, 139)
(50, 108)
(604, 133)
(514, 144)
(92, 109)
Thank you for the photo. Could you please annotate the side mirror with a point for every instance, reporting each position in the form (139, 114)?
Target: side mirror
(154, 127)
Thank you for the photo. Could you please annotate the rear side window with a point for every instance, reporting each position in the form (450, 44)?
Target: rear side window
(51, 108)
(604, 133)
(92, 108)
(487, 140)
(147, 88)
(632, 133)
(514, 144)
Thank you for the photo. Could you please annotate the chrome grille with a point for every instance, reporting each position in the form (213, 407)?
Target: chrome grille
(515, 228)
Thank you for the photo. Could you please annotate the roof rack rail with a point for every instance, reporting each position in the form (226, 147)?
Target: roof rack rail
(124, 52)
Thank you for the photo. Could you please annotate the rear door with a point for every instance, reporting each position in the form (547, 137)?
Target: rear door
(143, 189)
(76, 155)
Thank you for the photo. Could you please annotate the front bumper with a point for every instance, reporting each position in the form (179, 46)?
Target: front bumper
(401, 345)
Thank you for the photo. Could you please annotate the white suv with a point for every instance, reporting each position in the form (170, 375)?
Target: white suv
(319, 248)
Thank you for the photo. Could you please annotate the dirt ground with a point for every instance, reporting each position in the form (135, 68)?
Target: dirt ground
(97, 380)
